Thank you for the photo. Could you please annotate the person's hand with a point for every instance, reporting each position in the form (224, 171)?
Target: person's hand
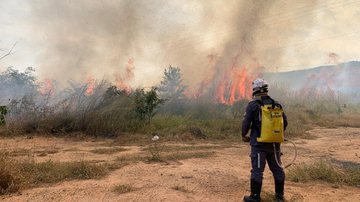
(246, 139)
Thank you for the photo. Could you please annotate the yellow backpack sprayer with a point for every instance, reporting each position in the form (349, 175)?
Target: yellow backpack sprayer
(272, 127)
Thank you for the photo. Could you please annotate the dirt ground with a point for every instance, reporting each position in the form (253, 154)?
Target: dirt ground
(223, 176)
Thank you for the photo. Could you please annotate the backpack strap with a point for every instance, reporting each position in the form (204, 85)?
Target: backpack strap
(273, 104)
(260, 102)
(276, 104)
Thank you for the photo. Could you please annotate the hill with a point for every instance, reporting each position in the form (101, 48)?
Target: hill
(343, 77)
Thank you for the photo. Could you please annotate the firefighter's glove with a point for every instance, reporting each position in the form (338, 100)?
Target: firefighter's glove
(246, 139)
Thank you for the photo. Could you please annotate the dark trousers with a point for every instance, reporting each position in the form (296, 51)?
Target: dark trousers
(259, 157)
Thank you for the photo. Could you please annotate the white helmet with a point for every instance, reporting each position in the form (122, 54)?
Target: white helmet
(259, 84)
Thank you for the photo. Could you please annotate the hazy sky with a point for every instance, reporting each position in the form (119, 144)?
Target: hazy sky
(76, 39)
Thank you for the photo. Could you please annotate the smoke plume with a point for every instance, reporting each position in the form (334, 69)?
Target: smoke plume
(97, 38)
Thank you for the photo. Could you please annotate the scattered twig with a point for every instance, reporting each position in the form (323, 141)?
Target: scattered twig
(9, 52)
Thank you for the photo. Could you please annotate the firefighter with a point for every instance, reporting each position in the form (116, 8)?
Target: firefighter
(262, 152)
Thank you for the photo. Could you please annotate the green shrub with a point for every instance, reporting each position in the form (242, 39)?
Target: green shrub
(3, 112)
(145, 103)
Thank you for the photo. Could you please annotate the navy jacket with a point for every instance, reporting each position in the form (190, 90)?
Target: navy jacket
(251, 121)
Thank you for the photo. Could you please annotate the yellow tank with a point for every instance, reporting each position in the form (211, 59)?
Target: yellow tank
(272, 124)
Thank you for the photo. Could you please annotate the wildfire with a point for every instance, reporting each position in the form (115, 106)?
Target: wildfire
(122, 81)
(90, 85)
(223, 86)
(227, 86)
(201, 89)
(234, 85)
(47, 87)
(324, 79)
(203, 86)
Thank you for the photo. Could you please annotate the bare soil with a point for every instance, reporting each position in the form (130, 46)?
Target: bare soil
(223, 176)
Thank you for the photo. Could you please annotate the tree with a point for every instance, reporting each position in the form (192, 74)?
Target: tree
(112, 93)
(3, 112)
(171, 87)
(15, 84)
(146, 103)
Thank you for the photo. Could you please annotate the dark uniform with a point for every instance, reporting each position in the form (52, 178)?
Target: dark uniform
(262, 152)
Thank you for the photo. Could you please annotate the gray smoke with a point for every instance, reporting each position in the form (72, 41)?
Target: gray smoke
(96, 38)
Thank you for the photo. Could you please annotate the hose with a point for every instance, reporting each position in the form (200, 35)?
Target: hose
(292, 161)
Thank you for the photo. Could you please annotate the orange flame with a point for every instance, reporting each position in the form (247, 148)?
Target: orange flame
(122, 81)
(235, 83)
(48, 87)
(90, 85)
(229, 86)
(234, 86)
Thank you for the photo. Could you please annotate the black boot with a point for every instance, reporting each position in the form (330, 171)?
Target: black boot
(279, 191)
(255, 192)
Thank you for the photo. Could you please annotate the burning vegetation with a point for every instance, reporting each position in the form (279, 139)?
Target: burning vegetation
(102, 108)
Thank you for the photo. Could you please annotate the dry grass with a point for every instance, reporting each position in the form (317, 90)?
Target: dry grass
(178, 148)
(161, 152)
(131, 159)
(299, 122)
(109, 121)
(187, 155)
(9, 181)
(302, 119)
(178, 152)
(267, 197)
(181, 189)
(46, 152)
(123, 188)
(342, 120)
(327, 172)
(111, 112)
(108, 150)
(18, 152)
(124, 160)
(16, 175)
(29, 152)
(51, 172)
